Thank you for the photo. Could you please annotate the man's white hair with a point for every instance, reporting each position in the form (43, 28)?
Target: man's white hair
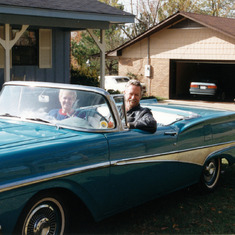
(134, 83)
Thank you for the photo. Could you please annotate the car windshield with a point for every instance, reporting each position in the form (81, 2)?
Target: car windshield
(120, 80)
(61, 107)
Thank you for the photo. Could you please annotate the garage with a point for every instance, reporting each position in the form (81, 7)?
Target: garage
(184, 48)
(183, 72)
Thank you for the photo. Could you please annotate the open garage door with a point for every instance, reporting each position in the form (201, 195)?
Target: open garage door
(183, 72)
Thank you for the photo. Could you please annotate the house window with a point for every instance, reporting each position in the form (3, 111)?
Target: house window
(33, 48)
(25, 51)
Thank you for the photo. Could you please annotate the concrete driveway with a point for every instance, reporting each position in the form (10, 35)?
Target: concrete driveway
(209, 104)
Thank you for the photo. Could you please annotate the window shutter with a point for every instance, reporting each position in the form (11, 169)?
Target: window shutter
(2, 51)
(45, 48)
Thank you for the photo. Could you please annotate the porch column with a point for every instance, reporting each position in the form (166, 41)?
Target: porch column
(102, 59)
(101, 44)
(7, 45)
(7, 67)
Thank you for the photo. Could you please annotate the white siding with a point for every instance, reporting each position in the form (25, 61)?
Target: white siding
(196, 44)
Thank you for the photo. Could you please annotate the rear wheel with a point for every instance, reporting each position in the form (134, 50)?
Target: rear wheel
(210, 175)
(43, 215)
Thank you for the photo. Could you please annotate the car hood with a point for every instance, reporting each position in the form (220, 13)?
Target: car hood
(19, 133)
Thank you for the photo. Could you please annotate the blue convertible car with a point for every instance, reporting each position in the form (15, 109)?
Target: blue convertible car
(53, 160)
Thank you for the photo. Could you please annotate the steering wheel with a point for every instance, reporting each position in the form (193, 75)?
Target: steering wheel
(94, 118)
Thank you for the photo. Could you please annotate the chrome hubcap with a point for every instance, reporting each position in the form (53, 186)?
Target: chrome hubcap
(210, 171)
(47, 218)
(42, 227)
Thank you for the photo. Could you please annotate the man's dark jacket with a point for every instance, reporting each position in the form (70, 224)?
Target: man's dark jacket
(141, 118)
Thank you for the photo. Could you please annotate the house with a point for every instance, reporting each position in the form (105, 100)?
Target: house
(35, 36)
(178, 50)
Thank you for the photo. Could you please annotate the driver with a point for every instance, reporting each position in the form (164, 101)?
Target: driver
(137, 116)
(67, 99)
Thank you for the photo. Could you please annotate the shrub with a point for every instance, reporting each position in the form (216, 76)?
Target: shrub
(84, 76)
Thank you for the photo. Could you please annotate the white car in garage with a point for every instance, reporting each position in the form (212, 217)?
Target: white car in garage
(207, 88)
(118, 83)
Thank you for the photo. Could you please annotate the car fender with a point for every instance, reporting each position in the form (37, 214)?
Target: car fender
(82, 194)
(227, 153)
(8, 220)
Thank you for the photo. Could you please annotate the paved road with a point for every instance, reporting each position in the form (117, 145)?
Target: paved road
(210, 104)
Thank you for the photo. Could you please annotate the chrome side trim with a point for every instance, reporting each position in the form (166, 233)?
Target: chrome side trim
(51, 176)
(197, 155)
(173, 156)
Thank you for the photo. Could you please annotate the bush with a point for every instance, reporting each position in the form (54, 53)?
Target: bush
(84, 76)
(113, 92)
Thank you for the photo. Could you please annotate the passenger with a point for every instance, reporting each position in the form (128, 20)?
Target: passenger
(67, 99)
(137, 116)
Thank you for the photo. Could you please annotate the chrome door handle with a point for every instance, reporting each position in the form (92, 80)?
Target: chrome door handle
(172, 133)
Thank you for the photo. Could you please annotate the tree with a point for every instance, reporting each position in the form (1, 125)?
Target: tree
(150, 12)
(85, 52)
(170, 7)
(146, 12)
(223, 8)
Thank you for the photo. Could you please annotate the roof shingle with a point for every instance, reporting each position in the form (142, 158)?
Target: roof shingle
(222, 24)
(90, 6)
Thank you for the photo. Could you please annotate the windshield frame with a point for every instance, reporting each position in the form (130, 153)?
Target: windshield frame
(109, 101)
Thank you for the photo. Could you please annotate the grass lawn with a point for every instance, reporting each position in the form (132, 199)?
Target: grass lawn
(185, 212)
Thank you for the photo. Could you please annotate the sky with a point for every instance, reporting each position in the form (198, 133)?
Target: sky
(126, 4)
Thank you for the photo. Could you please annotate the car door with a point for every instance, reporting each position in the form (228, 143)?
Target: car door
(140, 169)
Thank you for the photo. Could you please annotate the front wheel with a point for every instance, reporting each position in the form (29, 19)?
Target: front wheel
(210, 175)
(44, 215)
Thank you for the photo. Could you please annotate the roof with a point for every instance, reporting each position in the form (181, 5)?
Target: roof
(221, 24)
(72, 10)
